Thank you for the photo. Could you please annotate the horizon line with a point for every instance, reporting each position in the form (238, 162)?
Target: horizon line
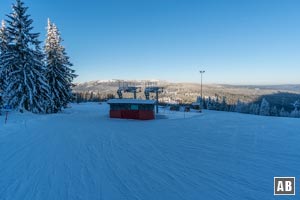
(188, 82)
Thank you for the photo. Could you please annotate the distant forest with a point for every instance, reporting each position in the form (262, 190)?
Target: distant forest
(280, 100)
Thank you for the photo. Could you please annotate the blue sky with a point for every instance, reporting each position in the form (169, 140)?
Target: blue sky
(235, 41)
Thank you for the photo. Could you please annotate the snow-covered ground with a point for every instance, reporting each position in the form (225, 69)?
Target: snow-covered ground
(81, 154)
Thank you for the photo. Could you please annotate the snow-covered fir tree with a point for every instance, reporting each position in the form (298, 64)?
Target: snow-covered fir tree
(217, 103)
(296, 112)
(264, 108)
(296, 105)
(3, 38)
(224, 106)
(283, 113)
(254, 109)
(58, 69)
(274, 111)
(209, 103)
(239, 106)
(3, 47)
(27, 87)
(231, 108)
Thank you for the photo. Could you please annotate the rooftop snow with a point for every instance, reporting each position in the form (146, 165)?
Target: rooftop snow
(130, 101)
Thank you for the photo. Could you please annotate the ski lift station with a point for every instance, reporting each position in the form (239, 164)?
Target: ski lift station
(132, 109)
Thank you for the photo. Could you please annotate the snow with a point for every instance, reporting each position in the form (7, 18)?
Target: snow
(83, 154)
(130, 101)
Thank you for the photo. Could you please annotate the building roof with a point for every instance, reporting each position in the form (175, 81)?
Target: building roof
(130, 101)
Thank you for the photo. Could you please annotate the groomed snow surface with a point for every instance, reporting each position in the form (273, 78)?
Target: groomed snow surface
(81, 154)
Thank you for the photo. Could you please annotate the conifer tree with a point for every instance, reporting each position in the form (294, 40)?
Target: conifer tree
(224, 106)
(283, 113)
(3, 38)
(274, 111)
(264, 108)
(254, 109)
(58, 69)
(296, 112)
(27, 87)
(217, 103)
(209, 104)
(239, 106)
(3, 48)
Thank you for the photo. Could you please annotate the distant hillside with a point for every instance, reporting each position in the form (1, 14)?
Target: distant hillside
(287, 87)
(188, 92)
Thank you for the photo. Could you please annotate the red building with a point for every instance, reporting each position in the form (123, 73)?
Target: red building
(132, 109)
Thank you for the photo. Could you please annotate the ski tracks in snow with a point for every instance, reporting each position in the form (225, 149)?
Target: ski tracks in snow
(82, 154)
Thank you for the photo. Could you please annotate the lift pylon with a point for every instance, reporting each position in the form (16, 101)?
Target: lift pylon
(153, 88)
(129, 87)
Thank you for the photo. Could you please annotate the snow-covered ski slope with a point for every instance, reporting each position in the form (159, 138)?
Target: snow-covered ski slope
(81, 154)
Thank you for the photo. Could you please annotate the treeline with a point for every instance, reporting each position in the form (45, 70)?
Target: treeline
(216, 102)
(33, 78)
(263, 108)
(81, 97)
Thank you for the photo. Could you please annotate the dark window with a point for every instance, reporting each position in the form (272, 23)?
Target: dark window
(131, 106)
